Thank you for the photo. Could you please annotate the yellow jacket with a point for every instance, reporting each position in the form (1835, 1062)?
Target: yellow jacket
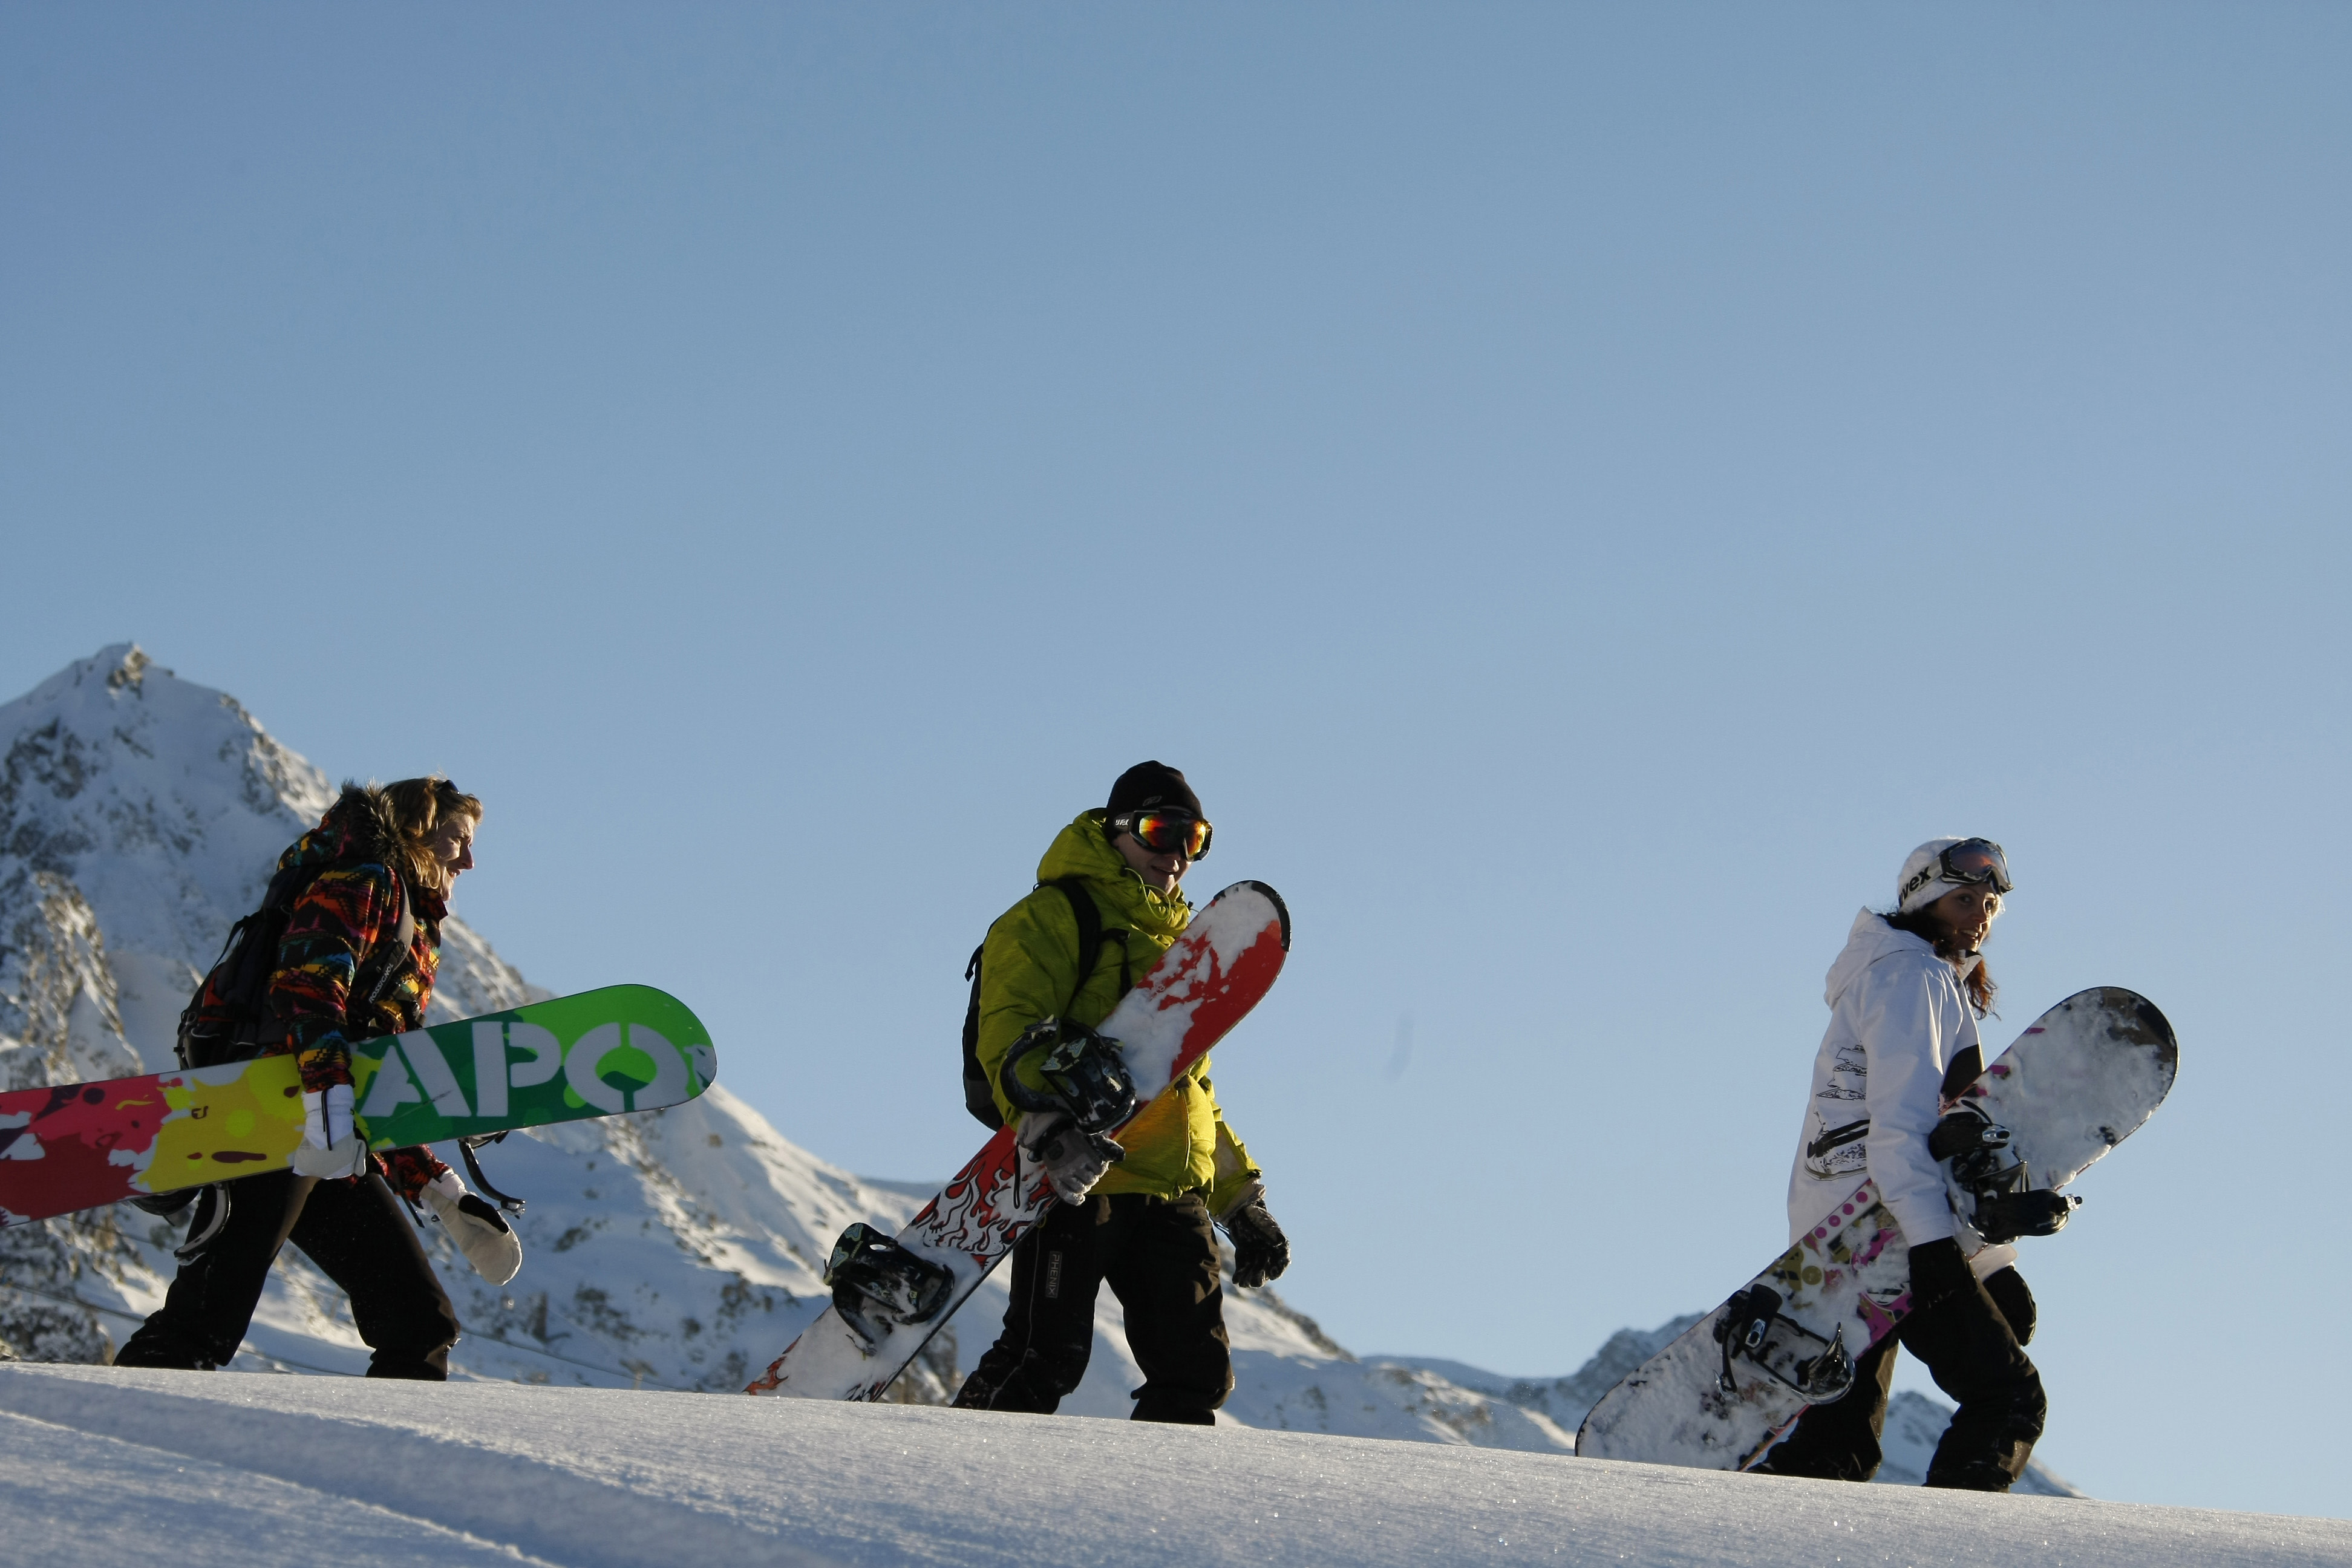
(1030, 966)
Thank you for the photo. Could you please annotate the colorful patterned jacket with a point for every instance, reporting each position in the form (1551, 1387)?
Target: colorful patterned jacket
(340, 932)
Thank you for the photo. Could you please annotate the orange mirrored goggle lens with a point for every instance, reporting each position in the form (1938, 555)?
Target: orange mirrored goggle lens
(1165, 832)
(1977, 862)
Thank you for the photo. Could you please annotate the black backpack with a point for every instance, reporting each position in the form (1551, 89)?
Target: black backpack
(978, 1097)
(239, 1024)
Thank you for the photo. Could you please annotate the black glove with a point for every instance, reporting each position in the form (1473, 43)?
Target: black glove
(2007, 1289)
(1261, 1252)
(2005, 1216)
(1939, 1271)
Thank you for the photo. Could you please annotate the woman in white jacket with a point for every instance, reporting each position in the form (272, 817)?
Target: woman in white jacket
(1905, 998)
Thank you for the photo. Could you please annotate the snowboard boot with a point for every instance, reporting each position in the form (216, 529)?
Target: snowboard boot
(1983, 1475)
(1178, 1410)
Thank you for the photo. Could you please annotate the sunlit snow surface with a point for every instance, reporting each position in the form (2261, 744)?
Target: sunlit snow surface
(106, 1465)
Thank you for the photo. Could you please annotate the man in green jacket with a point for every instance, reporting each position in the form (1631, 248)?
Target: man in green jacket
(1142, 1225)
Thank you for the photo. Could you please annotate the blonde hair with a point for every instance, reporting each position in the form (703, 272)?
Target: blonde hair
(418, 808)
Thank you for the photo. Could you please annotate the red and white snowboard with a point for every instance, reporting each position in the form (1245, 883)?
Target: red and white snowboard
(2075, 1084)
(1226, 960)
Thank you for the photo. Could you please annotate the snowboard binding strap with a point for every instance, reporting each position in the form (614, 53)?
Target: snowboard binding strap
(2004, 1203)
(1750, 1325)
(465, 1147)
(204, 1225)
(1746, 1320)
(879, 1284)
(1974, 1143)
(1084, 1074)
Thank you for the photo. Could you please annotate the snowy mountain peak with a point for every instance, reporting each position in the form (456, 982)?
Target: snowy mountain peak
(162, 804)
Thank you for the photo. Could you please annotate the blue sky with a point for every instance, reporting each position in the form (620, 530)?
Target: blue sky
(1582, 492)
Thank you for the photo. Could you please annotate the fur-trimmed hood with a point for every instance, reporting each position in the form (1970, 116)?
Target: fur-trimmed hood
(360, 829)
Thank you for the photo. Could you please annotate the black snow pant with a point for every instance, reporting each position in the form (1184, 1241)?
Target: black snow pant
(357, 1233)
(1972, 1351)
(1160, 1258)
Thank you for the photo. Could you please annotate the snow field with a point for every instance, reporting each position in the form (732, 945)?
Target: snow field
(267, 1470)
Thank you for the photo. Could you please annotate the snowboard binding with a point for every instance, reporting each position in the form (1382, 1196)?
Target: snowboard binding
(879, 1284)
(465, 1147)
(204, 1209)
(1084, 1074)
(1751, 1326)
(169, 1206)
(2005, 1203)
(1978, 1148)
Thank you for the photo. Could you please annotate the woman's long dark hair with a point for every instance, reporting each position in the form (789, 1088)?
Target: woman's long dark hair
(1978, 984)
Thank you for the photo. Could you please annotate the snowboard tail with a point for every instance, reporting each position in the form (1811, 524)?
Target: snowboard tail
(1226, 960)
(2077, 1082)
(619, 1048)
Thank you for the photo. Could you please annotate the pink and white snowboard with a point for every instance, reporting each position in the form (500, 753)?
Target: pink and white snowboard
(1201, 987)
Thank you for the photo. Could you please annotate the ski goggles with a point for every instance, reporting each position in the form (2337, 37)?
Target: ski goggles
(1975, 863)
(1167, 832)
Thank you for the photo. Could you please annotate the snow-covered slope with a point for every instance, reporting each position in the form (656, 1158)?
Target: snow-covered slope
(139, 815)
(280, 1472)
(1914, 1423)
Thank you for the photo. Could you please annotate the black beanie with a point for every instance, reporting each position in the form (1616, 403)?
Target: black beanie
(1147, 784)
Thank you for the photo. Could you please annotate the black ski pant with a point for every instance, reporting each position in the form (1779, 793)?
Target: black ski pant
(1160, 1258)
(358, 1234)
(1973, 1353)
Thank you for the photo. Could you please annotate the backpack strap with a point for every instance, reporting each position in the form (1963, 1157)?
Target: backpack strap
(977, 1097)
(238, 979)
(1091, 936)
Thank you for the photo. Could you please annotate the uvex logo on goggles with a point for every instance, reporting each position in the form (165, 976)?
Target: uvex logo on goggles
(1167, 832)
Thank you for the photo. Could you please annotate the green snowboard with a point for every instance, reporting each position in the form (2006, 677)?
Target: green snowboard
(623, 1047)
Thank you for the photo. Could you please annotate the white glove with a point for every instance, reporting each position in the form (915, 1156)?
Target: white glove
(329, 1146)
(480, 1231)
(1071, 1159)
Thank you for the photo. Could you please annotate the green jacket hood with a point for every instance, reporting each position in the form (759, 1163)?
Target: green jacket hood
(1081, 849)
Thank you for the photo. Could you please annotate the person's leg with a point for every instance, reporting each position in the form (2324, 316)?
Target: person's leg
(1049, 1322)
(1163, 1266)
(211, 1301)
(1839, 1441)
(2007, 1289)
(361, 1237)
(1973, 1356)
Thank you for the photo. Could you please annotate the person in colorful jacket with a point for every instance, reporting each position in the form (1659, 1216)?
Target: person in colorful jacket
(361, 946)
(1142, 1225)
